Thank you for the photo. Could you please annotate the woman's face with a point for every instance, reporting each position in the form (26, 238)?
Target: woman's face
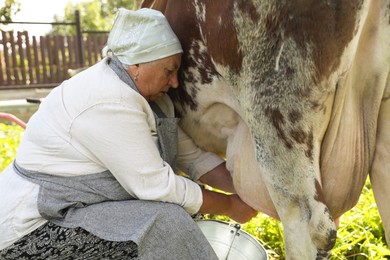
(153, 79)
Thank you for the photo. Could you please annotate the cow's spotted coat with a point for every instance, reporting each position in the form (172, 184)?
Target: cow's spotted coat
(296, 94)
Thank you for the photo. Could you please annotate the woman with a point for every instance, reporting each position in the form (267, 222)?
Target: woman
(94, 174)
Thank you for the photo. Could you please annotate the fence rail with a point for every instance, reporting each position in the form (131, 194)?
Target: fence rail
(30, 62)
(43, 61)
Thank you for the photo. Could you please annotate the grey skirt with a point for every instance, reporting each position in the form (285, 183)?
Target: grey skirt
(161, 231)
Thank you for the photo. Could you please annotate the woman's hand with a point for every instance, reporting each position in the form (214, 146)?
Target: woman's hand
(239, 210)
(219, 178)
(229, 205)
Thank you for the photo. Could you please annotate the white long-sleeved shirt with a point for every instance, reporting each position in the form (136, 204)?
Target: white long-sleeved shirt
(92, 123)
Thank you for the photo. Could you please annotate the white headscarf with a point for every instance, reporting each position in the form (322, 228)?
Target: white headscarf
(142, 36)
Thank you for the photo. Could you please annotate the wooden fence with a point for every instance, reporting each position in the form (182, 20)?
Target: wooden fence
(30, 61)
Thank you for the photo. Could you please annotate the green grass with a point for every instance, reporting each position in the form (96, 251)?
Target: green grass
(360, 235)
(10, 136)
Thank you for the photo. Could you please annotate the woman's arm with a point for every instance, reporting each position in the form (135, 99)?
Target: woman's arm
(228, 205)
(219, 178)
(210, 169)
(224, 204)
(118, 136)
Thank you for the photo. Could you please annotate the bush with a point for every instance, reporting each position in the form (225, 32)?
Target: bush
(360, 234)
(10, 136)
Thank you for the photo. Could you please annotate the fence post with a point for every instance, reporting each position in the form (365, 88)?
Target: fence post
(79, 39)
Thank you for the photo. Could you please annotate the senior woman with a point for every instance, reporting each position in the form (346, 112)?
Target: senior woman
(94, 176)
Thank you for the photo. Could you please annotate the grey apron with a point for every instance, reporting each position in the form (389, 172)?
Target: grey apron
(100, 205)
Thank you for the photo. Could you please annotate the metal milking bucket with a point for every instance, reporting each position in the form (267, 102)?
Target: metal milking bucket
(230, 242)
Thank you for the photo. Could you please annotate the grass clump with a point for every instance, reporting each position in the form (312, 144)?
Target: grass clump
(10, 136)
(360, 235)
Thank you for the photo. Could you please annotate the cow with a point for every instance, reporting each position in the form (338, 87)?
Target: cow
(296, 95)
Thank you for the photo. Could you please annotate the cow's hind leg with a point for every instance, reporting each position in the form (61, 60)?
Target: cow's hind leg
(290, 177)
(380, 172)
(309, 230)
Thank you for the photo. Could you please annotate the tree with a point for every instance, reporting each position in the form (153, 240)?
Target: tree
(9, 8)
(95, 15)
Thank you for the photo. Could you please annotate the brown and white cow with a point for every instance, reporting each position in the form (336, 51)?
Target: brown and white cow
(297, 95)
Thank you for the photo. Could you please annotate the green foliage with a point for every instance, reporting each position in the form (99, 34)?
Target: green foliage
(10, 137)
(360, 235)
(95, 15)
(9, 8)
